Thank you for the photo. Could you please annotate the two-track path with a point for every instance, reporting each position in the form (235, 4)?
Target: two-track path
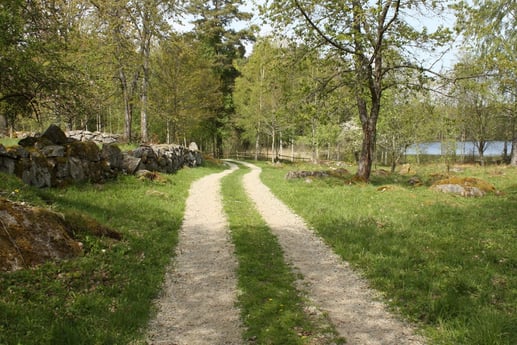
(198, 304)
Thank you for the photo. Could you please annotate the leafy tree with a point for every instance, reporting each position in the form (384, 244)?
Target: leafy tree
(185, 88)
(260, 94)
(36, 77)
(477, 108)
(373, 40)
(405, 121)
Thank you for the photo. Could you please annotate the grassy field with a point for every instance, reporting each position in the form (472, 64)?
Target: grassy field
(446, 262)
(103, 297)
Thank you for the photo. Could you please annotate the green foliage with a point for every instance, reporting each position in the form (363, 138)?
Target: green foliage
(224, 44)
(446, 262)
(188, 91)
(105, 296)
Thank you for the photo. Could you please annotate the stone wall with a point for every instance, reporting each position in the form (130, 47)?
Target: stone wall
(96, 137)
(53, 159)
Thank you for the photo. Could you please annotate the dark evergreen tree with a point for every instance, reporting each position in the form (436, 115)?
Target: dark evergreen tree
(214, 27)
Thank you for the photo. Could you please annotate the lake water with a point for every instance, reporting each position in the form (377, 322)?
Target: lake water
(467, 148)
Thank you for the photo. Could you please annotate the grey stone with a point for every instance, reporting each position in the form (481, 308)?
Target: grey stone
(55, 135)
(130, 163)
(53, 151)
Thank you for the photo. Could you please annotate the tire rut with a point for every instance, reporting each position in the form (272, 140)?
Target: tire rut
(198, 302)
(197, 305)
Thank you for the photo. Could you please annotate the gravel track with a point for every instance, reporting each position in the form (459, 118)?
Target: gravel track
(198, 302)
(197, 306)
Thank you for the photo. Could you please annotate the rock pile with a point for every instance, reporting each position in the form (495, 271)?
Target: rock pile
(53, 159)
(96, 137)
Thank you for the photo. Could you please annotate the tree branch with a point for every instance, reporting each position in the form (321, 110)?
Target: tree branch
(320, 32)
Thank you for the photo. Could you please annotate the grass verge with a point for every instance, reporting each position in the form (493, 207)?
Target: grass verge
(272, 309)
(105, 296)
(446, 262)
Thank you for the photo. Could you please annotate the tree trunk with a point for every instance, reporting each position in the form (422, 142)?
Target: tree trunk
(273, 146)
(314, 143)
(257, 145)
(3, 125)
(146, 52)
(513, 160)
(128, 111)
(368, 149)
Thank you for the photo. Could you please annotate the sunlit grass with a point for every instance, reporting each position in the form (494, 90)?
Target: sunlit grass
(446, 262)
(105, 296)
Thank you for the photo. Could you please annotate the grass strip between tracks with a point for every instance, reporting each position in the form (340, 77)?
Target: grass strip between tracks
(272, 308)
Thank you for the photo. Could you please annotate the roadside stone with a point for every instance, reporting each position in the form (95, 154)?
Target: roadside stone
(33, 236)
(465, 191)
(112, 155)
(130, 163)
(55, 135)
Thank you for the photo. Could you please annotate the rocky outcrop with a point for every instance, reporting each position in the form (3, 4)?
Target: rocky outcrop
(341, 172)
(53, 159)
(464, 186)
(30, 236)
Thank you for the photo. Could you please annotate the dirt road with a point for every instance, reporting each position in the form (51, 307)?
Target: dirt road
(198, 304)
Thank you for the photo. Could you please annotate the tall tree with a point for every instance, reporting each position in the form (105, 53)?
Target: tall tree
(186, 89)
(476, 104)
(115, 28)
(367, 35)
(149, 20)
(213, 21)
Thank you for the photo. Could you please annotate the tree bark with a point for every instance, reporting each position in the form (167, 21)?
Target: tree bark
(367, 150)
(146, 53)
(513, 160)
(128, 109)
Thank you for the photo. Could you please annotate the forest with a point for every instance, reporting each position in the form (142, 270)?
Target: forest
(344, 80)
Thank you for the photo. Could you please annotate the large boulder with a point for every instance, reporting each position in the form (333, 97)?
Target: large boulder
(32, 236)
(55, 135)
(464, 186)
(112, 155)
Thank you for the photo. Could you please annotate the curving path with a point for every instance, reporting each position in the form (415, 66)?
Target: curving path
(198, 303)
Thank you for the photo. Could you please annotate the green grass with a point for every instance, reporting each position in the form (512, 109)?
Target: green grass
(446, 262)
(9, 141)
(105, 296)
(272, 309)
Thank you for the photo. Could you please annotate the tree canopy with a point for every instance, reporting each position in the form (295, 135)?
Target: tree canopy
(325, 69)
